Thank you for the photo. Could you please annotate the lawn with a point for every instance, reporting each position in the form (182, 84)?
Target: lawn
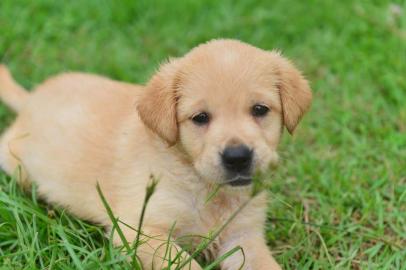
(338, 196)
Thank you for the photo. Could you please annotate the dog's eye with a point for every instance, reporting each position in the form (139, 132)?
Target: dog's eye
(259, 110)
(201, 118)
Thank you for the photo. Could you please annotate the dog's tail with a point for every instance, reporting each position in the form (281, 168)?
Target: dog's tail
(11, 92)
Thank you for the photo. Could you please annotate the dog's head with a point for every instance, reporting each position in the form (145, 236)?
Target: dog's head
(225, 104)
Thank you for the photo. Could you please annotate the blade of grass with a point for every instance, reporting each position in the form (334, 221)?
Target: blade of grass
(225, 256)
(168, 241)
(149, 191)
(113, 219)
(69, 248)
(213, 193)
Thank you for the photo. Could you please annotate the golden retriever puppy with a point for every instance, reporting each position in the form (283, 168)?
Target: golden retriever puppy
(213, 117)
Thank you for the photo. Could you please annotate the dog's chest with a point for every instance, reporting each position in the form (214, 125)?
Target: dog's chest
(206, 223)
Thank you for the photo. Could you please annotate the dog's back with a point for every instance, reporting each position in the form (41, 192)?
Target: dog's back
(73, 109)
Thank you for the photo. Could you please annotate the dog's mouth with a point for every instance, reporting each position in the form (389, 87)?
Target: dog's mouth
(239, 180)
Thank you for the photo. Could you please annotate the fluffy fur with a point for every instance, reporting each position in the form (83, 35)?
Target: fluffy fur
(76, 129)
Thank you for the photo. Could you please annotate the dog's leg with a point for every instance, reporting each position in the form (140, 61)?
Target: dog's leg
(247, 232)
(156, 251)
(10, 155)
(255, 255)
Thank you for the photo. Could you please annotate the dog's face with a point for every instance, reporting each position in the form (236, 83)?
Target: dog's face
(225, 104)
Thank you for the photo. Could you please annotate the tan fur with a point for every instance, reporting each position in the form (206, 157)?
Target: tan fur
(295, 92)
(75, 130)
(157, 105)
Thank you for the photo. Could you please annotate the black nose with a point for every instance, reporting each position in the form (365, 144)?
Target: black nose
(237, 158)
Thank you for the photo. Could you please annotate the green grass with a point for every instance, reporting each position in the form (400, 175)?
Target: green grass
(338, 197)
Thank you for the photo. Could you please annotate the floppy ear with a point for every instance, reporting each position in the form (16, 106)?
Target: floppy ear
(294, 90)
(157, 104)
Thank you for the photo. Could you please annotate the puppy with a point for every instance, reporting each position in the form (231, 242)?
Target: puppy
(213, 117)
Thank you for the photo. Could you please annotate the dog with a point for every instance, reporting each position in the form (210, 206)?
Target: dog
(211, 118)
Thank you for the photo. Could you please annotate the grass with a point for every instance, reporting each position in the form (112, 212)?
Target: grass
(338, 198)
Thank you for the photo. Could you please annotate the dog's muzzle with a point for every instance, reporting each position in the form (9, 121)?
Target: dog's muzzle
(237, 161)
